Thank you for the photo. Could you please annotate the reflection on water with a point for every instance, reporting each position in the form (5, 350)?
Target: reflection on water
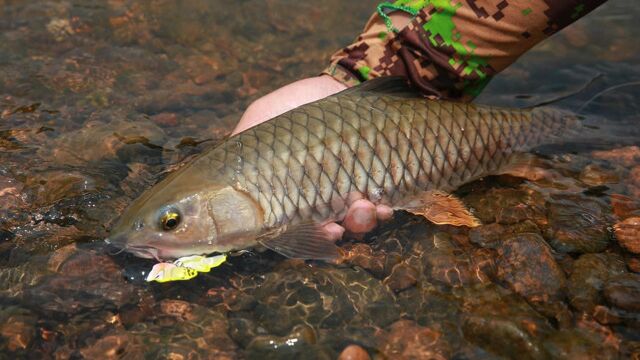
(98, 100)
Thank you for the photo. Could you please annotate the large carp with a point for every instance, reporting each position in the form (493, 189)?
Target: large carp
(276, 184)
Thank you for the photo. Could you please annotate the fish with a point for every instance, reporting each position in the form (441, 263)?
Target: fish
(275, 185)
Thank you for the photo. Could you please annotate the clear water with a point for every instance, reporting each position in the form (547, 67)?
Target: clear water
(99, 99)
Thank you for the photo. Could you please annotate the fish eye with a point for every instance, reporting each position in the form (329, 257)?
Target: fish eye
(170, 220)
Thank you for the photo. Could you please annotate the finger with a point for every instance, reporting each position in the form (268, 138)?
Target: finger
(361, 217)
(334, 231)
(384, 212)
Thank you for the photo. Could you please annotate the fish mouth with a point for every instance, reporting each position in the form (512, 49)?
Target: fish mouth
(145, 252)
(119, 242)
(161, 252)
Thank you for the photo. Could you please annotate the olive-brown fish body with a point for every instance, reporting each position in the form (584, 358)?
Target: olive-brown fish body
(304, 164)
(301, 167)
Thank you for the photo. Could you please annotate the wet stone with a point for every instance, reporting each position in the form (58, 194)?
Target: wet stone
(594, 175)
(108, 347)
(15, 279)
(231, 299)
(634, 181)
(623, 292)
(625, 206)
(165, 119)
(506, 206)
(300, 341)
(105, 141)
(50, 187)
(527, 265)
(588, 277)
(504, 324)
(450, 263)
(60, 256)
(85, 281)
(577, 225)
(402, 277)
(579, 344)
(17, 329)
(633, 263)
(627, 156)
(628, 234)
(11, 195)
(176, 308)
(431, 304)
(324, 297)
(630, 350)
(363, 255)
(490, 236)
(200, 336)
(407, 340)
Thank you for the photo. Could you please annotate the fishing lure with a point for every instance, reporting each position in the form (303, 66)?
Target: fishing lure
(184, 268)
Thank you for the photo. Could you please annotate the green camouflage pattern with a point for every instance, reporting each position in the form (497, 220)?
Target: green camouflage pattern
(452, 48)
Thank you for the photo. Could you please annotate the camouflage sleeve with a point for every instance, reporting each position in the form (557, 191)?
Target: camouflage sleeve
(452, 48)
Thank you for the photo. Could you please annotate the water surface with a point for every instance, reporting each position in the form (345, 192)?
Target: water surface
(98, 100)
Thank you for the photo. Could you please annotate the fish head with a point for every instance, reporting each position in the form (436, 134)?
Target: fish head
(171, 221)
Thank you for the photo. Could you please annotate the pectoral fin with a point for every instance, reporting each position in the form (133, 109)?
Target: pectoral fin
(444, 209)
(302, 241)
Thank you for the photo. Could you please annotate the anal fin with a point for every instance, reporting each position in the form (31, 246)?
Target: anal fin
(523, 165)
(444, 209)
(306, 241)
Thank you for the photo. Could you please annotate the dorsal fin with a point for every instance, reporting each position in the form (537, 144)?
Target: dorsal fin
(387, 85)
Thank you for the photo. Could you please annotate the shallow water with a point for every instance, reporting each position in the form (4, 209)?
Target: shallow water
(98, 100)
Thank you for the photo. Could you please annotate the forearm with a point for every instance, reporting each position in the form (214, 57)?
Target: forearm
(452, 50)
(288, 97)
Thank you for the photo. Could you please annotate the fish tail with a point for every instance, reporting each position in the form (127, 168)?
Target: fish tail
(553, 126)
(573, 132)
(607, 132)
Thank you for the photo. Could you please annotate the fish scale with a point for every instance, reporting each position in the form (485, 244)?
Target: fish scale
(304, 164)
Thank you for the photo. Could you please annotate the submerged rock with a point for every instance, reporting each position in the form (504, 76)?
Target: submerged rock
(402, 277)
(623, 292)
(491, 236)
(588, 277)
(300, 341)
(526, 264)
(585, 341)
(577, 225)
(628, 234)
(85, 281)
(625, 206)
(98, 141)
(406, 340)
(594, 175)
(17, 329)
(633, 263)
(326, 298)
(451, 263)
(506, 206)
(179, 330)
(504, 324)
(363, 255)
(626, 156)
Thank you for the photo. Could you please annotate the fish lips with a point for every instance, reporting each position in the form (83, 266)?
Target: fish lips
(152, 251)
(116, 240)
(119, 242)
